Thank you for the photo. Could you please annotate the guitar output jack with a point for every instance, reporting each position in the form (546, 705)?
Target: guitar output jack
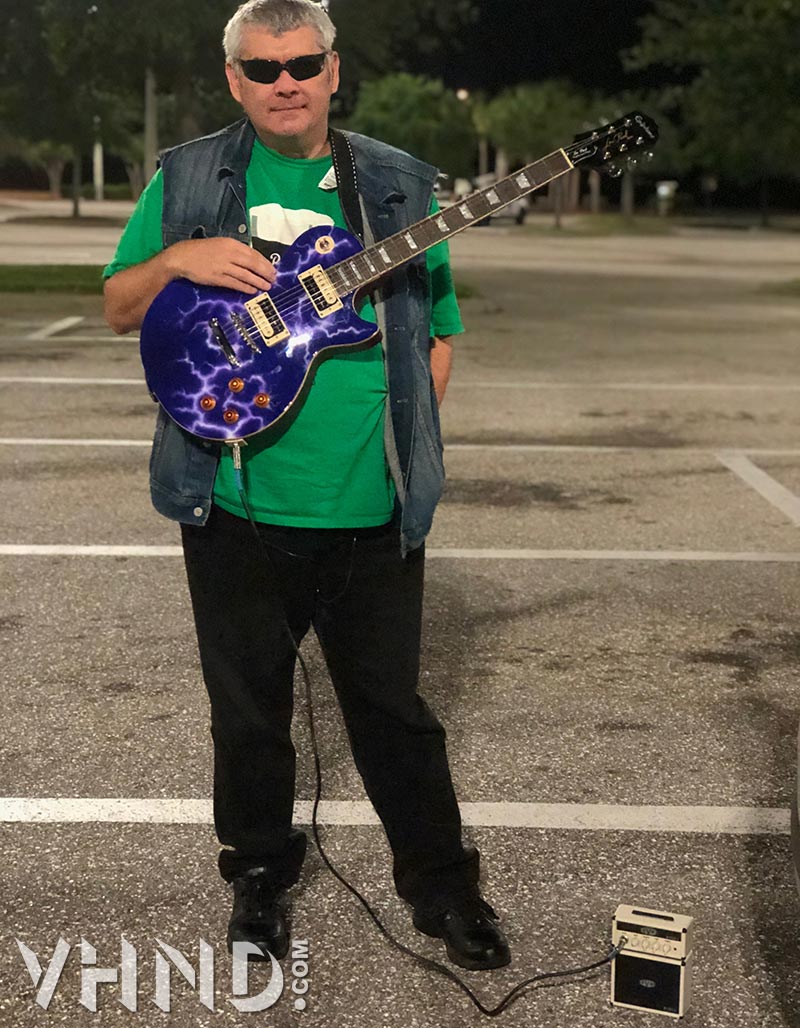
(230, 417)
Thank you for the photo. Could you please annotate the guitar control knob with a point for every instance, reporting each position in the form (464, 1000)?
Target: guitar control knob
(208, 403)
(230, 417)
(236, 385)
(262, 400)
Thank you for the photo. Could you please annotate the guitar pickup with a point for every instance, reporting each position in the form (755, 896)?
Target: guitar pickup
(321, 291)
(267, 320)
(224, 344)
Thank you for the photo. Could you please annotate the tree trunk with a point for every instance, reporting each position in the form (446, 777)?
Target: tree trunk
(77, 161)
(595, 183)
(628, 196)
(483, 156)
(763, 201)
(573, 181)
(150, 124)
(54, 166)
(135, 173)
(557, 192)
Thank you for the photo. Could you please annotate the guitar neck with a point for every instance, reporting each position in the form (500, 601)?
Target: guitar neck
(372, 264)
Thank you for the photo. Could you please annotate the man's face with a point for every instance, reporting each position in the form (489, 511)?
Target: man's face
(284, 108)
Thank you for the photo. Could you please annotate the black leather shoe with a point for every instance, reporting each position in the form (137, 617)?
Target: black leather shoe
(465, 923)
(260, 909)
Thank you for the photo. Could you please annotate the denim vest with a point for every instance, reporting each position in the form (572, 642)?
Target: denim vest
(204, 196)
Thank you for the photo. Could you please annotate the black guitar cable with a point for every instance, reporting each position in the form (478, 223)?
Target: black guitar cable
(433, 965)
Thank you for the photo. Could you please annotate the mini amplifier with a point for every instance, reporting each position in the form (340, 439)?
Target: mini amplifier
(654, 970)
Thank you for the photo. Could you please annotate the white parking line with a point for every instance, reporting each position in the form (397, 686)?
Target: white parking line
(54, 380)
(54, 328)
(593, 817)
(699, 387)
(568, 448)
(11, 441)
(451, 447)
(765, 485)
(686, 556)
(692, 387)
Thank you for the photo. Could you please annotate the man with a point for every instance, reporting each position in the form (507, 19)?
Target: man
(343, 497)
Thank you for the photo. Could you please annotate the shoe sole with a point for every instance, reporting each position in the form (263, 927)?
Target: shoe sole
(279, 952)
(429, 928)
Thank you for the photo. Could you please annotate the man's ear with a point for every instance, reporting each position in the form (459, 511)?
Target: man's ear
(334, 70)
(233, 82)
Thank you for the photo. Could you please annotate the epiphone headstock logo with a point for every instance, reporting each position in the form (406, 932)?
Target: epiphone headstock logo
(642, 123)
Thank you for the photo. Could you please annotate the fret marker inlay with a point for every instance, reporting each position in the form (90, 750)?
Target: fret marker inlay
(385, 256)
(466, 213)
(493, 198)
(522, 180)
(410, 240)
(441, 224)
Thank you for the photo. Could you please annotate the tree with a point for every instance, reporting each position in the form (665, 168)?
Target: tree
(420, 116)
(742, 60)
(530, 121)
(377, 38)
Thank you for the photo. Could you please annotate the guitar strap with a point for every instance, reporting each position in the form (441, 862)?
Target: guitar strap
(344, 164)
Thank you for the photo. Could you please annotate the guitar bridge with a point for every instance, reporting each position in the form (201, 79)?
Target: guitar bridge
(265, 316)
(321, 291)
(244, 332)
(224, 344)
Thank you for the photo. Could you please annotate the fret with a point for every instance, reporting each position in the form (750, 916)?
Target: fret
(376, 261)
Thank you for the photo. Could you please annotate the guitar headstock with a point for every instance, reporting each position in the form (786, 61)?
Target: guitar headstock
(619, 141)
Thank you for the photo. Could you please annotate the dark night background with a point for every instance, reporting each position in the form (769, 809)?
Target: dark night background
(514, 41)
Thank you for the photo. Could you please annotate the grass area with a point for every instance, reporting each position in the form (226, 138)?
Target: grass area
(51, 278)
(790, 288)
(86, 278)
(465, 291)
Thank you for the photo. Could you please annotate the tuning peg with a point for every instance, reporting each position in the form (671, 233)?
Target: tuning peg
(623, 147)
(632, 162)
(640, 141)
(648, 156)
(628, 123)
(614, 170)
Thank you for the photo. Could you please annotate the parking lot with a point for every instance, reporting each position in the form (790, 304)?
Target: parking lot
(611, 643)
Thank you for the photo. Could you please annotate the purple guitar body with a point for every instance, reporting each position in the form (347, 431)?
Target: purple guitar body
(192, 335)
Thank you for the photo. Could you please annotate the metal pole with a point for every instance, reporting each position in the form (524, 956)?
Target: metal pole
(97, 162)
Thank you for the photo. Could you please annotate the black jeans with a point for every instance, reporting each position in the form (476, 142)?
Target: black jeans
(365, 604)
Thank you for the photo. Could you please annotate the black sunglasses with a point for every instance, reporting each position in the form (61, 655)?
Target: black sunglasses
(300, 68)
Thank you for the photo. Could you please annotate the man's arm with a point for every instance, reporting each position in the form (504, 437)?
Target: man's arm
(211, 262)
(441, 363)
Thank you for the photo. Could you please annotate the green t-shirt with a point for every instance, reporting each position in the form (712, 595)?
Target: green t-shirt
(328, 468)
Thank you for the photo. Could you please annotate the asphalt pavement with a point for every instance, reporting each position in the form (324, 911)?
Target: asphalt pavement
(610, 640)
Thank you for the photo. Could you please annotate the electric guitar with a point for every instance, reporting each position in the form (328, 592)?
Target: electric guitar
(226, 365)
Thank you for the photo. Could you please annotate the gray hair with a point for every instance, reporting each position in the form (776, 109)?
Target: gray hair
(278, 16)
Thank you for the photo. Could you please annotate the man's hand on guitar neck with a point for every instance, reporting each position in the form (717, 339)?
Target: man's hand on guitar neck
(209, 262)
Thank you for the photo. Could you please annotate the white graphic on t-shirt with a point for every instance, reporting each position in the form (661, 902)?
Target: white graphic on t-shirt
(270, 223)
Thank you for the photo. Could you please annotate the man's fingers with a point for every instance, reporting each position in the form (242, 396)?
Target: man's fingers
(253, 261)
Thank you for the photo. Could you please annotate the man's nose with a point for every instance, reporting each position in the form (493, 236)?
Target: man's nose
(284, 83)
